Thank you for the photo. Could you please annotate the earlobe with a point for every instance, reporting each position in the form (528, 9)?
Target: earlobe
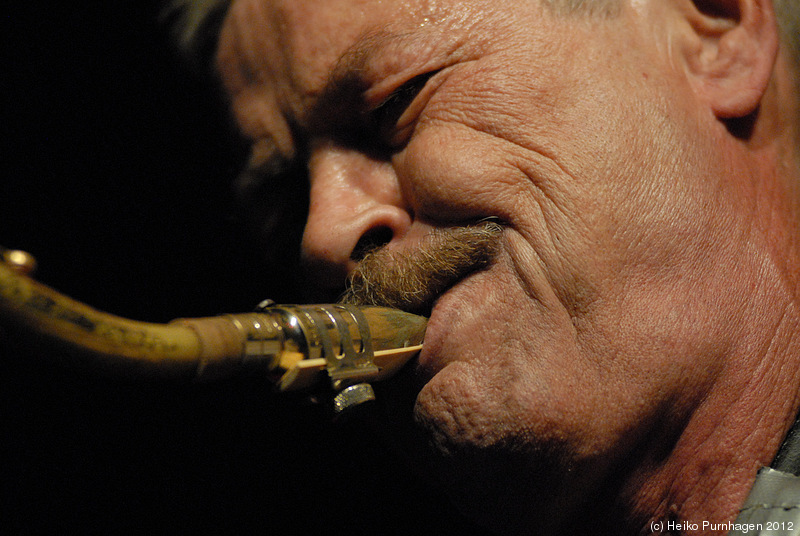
(735, 43)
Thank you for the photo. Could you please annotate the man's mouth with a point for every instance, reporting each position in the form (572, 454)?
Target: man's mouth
(413, 281)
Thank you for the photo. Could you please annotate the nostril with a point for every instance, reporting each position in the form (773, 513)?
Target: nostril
(373, 239)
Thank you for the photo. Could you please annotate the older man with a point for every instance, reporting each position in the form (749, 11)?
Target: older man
(596, 203)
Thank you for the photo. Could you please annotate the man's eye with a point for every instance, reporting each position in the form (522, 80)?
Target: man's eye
(388, 114)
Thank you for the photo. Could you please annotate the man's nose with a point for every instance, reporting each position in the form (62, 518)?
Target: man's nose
(356, 204)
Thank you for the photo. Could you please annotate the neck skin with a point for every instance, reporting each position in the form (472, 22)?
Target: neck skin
(740, 423)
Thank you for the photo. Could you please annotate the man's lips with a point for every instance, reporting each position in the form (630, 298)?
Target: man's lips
(423, 280)
(443, 324)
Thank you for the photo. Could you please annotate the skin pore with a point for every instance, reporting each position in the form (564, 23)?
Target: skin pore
(592, 364)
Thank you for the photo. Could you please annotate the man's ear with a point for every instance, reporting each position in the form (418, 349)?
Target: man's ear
(733, 48)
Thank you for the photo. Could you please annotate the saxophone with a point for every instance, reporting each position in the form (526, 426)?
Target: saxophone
(343, 348)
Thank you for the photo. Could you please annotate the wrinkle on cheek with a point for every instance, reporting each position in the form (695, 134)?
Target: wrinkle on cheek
(557, 261)
(497, 103)
(454, 172)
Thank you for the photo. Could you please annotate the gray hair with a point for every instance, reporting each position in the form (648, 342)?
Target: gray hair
(195, 23)
(194, 26)
(786, 11)
(788, 14)
(590, 7)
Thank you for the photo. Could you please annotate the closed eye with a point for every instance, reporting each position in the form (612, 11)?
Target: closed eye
(388, 115)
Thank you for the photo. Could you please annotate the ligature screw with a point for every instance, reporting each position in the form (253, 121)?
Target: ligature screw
(352, 397)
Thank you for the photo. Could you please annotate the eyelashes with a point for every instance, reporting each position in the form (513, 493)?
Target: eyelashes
(387, 117)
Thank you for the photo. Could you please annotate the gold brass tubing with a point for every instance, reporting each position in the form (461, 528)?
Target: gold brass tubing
(39, 309)
(196, 345)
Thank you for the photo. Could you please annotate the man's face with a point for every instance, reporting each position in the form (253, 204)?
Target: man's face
(599, 322)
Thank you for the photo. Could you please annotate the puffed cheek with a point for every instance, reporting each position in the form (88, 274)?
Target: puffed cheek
(456, 409)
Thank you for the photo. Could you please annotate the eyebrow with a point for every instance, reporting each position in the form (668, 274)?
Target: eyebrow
(348, 79)
(341, 96)
(356, 57)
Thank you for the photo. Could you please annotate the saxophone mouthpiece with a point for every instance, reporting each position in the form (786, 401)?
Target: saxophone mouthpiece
(299, 345)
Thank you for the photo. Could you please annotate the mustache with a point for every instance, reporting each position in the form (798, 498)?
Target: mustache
(412, 281)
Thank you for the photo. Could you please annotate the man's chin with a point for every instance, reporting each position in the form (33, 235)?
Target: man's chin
(501, 483)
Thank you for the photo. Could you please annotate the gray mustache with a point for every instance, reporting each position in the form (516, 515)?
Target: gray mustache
(412, 281)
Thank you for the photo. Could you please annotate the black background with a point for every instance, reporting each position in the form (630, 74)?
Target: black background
(116, 164)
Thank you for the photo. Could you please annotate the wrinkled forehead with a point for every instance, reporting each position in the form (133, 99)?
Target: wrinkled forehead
(299, 42)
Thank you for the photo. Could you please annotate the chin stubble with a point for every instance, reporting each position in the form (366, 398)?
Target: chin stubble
(412, 281)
